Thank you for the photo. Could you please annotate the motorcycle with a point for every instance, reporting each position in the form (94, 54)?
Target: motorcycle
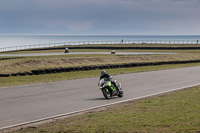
(108, 88)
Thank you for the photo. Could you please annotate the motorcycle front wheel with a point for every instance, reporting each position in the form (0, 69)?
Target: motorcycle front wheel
(106, 94)
(121, 93)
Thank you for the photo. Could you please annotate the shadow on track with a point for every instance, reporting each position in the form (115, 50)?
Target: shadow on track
(96, 99)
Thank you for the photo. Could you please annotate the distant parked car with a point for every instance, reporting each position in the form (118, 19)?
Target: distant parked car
(113, 52)
(66, 50)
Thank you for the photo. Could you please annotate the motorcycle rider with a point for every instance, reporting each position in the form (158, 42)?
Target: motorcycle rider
(104, 75)
(107, 76)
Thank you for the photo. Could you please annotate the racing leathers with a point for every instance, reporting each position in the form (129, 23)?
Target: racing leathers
(107, 76)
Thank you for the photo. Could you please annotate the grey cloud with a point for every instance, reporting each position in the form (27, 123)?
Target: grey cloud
(97, 16)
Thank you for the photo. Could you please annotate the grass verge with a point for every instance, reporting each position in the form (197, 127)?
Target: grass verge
(44, 62)
(173, 112)
(22, 80)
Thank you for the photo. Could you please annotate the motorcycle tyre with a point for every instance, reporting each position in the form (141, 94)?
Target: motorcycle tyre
(121, 93)
(107, 95)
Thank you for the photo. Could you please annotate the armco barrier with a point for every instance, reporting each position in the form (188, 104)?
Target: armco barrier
(96, 67)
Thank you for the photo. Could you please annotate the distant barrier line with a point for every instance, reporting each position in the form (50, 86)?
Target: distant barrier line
(13, 48)
(95, 67)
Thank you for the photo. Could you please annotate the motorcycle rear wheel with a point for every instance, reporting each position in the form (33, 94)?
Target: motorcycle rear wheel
(106, 94)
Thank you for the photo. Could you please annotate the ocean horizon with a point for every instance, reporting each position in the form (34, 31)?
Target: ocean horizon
(22, 39)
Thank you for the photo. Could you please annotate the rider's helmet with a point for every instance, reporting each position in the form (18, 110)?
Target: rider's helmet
(103, 72)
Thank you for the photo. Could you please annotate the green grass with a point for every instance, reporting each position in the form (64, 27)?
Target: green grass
(177, 112)
(22, 80)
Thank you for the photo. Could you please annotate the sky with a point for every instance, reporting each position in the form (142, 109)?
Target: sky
(100, 17)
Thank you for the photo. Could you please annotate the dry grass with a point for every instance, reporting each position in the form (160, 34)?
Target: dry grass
(31, 63)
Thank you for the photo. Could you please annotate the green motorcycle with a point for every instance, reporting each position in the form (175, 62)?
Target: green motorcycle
(108, 88)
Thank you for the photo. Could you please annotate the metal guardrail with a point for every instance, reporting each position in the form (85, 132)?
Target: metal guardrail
(13, 48)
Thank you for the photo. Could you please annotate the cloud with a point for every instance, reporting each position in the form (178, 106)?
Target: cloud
(100, 16)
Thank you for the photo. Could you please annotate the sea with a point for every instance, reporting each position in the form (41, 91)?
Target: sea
(21, 40)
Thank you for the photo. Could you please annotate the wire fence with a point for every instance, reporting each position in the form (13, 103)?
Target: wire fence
(14, 48)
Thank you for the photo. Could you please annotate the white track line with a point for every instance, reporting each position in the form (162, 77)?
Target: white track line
(70, 113)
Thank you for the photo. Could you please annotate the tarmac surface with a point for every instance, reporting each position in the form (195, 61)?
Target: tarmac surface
(30, 103)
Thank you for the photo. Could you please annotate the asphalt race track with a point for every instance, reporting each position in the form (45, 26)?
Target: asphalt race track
(22, 104)
(47, 54)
